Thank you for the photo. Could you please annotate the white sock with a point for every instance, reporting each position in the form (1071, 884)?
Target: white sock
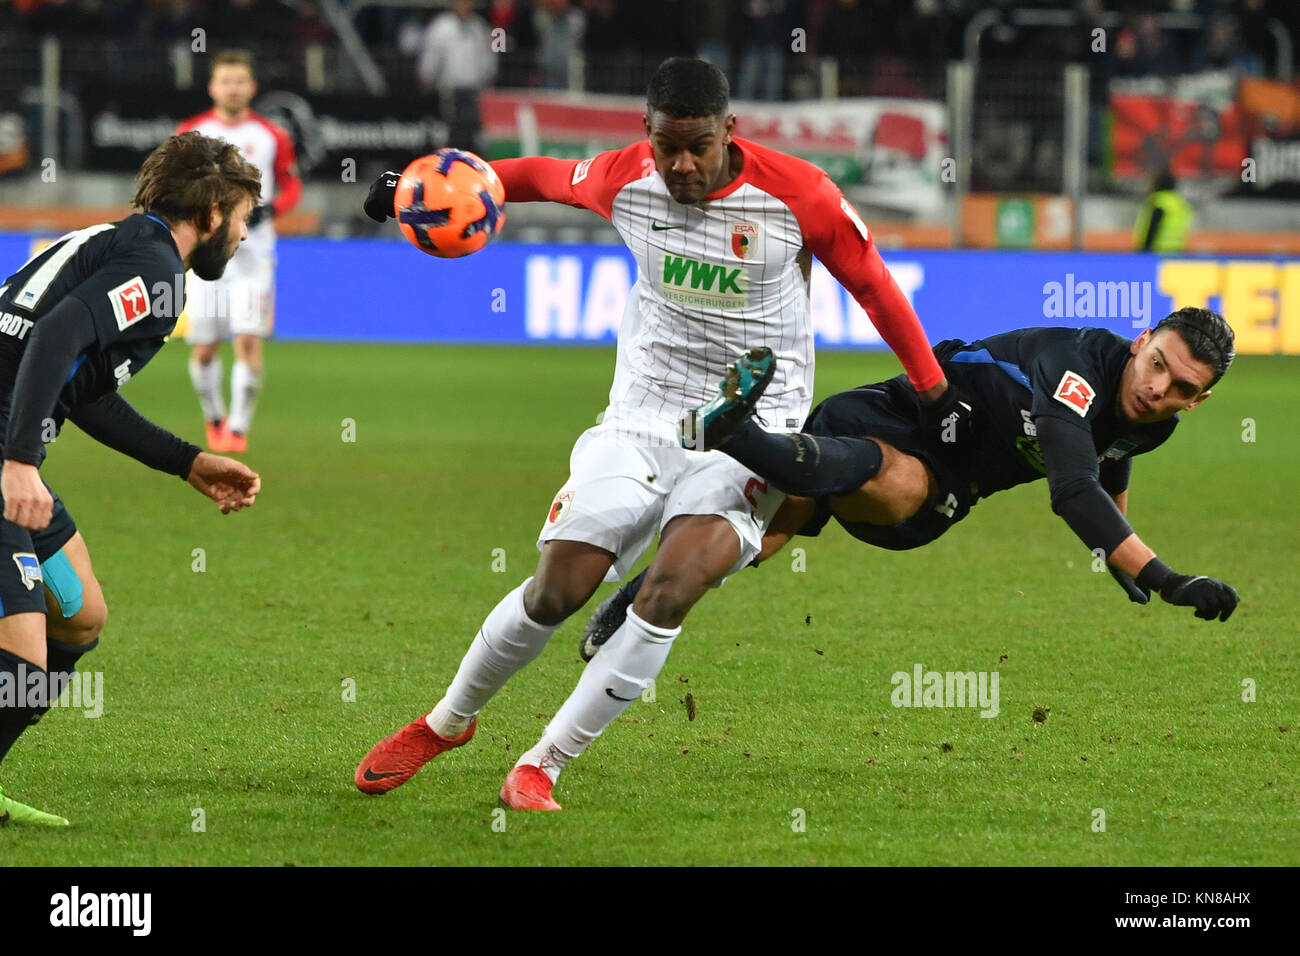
(625, 666)
(207, 383)
(245, 387)
(508, 640)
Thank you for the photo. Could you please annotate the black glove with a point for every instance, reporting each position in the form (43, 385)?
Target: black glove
(1210, 597)
(264, 211)
(1136, 594)
(379, 201)
(951, 415)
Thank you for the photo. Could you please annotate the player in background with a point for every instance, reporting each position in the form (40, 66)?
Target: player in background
(242, 303)
(77, 321)
(1072, 405)
(723, 231)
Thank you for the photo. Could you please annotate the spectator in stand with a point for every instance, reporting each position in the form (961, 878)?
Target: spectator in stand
(559, 36)
(766, 40)
(456, 61)
(711, 22)
(1143, 50)
(605, 41)
(1224, 46)
(515, 17)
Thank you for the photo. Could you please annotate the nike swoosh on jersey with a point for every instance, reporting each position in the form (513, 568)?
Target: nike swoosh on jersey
(658, 228)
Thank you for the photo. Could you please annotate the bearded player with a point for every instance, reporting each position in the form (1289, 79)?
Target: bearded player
(241, 303)
(723, 231)
(78, 320)
(1071, 405)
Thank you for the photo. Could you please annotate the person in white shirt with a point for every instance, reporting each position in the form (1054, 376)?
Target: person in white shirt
(241, 303)
(456, 60)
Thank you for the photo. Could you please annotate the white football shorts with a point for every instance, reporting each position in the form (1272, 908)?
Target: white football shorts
(241, 302)
(626, 483)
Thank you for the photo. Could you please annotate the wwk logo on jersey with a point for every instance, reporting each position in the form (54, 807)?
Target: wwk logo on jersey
(744, 239)
(1074, 392)
(691, 282)
(130, 302)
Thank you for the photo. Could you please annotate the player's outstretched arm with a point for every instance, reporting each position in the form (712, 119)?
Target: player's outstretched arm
(587, 184)
(230, 483)
(112, 421)
(1209, 596)
(1078, 497)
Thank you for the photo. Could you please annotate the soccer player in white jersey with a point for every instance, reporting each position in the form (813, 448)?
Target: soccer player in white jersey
(723, 231)
(241, 304)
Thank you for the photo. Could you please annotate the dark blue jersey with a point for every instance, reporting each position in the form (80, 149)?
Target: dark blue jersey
(1070, 375)
(130, 278)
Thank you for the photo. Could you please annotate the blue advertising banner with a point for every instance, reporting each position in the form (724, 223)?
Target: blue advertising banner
(386, 290)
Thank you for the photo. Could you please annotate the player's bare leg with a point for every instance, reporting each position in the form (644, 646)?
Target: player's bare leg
(206, 375)
(75, 611)
(695, 552)
(510, 638)
(901, 486)
(789, 518)
(245, 389)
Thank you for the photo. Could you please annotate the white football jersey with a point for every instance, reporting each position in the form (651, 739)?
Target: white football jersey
(267, 147)
(724, 275)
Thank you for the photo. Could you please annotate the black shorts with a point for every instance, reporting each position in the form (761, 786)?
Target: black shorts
(22, 552)
(891, 412)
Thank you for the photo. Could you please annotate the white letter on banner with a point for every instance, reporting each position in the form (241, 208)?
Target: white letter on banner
(606, 297)
(554, 289)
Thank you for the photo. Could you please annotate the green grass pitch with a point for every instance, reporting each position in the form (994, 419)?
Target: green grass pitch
(371, 562)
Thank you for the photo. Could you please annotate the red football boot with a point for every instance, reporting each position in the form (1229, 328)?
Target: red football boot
(528, 788)
(395, 759)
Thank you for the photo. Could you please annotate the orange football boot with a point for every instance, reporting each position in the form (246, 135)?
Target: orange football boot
(234, 441)
(216, 435)
(528, 788)
(395, 759)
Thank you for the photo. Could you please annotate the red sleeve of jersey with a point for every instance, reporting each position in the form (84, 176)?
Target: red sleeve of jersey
(588, 184)
(837, 236)
(189, 124)
(288, 184)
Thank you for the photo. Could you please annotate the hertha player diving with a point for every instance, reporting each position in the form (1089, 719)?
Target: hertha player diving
(1072, 405)
(78, 320)
(723, 231)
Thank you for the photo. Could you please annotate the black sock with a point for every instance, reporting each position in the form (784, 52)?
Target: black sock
(810, 466)
(15, 686)
(61, 661)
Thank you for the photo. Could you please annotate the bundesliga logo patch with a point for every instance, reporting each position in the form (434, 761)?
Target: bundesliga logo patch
(130, 302)
(1074, 392)
(29, 569)
(560, 507)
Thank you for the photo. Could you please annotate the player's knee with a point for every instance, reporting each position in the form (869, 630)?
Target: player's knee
(550, 602)
(668, 594)
(897, 491)
(83, 626)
